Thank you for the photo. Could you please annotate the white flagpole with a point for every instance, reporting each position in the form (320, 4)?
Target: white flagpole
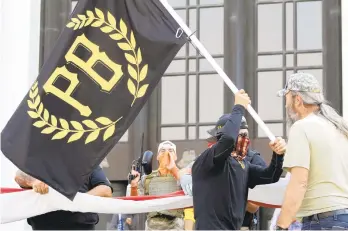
(214, 64)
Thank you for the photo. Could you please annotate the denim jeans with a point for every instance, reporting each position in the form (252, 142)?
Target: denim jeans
(335, 222)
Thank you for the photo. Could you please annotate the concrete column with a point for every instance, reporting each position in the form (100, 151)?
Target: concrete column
(331, 53)
(19, 65)
(235, 32)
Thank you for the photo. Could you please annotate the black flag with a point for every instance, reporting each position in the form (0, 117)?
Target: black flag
(104, 67)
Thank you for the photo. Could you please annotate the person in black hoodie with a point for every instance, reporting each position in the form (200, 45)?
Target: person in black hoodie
(221, 176)
(97, 184)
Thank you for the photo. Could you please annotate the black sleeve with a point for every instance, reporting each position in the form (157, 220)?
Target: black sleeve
(266, 175)
(218, 153)
(98, 178)
(257, 160)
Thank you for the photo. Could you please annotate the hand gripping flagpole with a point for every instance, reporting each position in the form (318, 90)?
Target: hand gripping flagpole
(214, 64)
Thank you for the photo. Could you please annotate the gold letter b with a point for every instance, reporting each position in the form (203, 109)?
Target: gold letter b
(96, 56)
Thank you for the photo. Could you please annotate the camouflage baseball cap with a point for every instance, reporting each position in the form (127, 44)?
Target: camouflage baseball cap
(303, 82)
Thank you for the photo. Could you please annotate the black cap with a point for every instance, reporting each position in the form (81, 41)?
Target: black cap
(244, 124)
(221, 123)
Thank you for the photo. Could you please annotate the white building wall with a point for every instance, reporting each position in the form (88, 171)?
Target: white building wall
(19, 64)
(345, 57)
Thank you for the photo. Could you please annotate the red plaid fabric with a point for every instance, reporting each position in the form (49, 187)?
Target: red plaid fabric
(241, 148)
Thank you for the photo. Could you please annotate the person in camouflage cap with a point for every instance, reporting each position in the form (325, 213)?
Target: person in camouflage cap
(316, 157)
(301, 82)
(305, 86)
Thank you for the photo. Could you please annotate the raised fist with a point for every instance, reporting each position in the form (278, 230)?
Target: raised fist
(242, 98)
(278, 146)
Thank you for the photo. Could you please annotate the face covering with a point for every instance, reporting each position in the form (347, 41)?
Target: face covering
(241, 148)
(164, 162)
(166, 149)
(163, 159)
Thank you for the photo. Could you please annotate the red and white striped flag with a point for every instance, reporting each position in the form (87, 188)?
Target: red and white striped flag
(33, 204)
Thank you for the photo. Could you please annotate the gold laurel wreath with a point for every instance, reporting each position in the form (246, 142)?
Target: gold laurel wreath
(126, 44)
(50, 122)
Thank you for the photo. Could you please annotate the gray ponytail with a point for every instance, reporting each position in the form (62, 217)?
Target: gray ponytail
(325, 110)
(331, 115)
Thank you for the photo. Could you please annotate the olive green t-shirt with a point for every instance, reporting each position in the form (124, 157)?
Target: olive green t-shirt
(317, 145)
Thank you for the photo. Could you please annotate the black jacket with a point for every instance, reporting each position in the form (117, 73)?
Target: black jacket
(255, 158)
(221, 183)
